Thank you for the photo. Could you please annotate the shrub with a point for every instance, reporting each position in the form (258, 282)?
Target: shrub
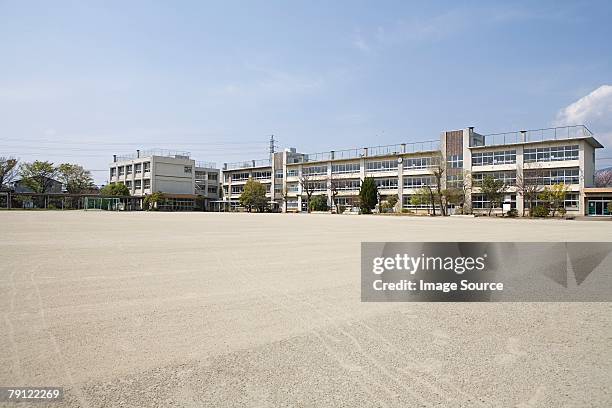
(512, 213)
(341, 209)
(319, 203)
(540, 211)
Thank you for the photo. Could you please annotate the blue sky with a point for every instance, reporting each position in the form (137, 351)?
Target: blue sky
(82, 80)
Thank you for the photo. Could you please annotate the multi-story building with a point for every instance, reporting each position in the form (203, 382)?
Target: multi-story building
(187, 184)
(542, 157)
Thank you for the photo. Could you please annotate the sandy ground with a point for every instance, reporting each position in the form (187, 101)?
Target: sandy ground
(203, 309)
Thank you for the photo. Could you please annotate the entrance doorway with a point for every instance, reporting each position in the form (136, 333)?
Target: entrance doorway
(598, 206)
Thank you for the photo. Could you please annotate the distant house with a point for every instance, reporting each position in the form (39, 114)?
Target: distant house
(56, 187)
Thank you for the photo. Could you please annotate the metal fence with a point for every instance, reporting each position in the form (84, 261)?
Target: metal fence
(535, 135)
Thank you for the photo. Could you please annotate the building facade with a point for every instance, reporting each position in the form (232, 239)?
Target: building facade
(464, 158)
(187, 184)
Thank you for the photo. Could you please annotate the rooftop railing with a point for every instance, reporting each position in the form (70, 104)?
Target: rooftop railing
(247, 164)
(529, 136)
(206, 165)
(373, 151)
(153, 152)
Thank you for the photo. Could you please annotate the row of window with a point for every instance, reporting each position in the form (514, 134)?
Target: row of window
(240, 188)
(553, 176)
(545, 154)
(507, 177)
(492, 158)
(127, 170)
(137, 184)
(202, 175)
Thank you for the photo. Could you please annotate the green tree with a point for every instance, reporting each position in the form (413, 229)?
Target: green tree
(424, 196)
(554, 197)
(253, 196)
(319, 203)
(368, 195)
(76, 178)
(8, 170)
(493, 191)
(39, 175)
(389, 203)
(151, 200)
(115, 189)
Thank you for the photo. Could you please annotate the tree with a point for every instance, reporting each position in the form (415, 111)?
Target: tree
(368, 195)
(150, 201)
(319, 203)
(333, 187)
(603, 178)
(308, 187)
(115, 189)
(253, 196)
(438, 168)
(528, 186)
(493, 190)
(38, 176)
(8, 170)
(76, 179)
(423, 197)
(554, 197)
(389, 203)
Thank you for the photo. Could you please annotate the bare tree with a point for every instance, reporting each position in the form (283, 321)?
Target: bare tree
(8, 170)
(438, 169)
(529, 186)
(308, 188)
(603, 178)
(333, 187)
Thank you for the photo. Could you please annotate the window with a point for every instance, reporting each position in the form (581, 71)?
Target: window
(292, 188)
(128, 170)
(213, 176)
(121, 170)
(292, 173)
(240, 176)
(147, 167)
(138, 168)
(316, 186)
(237, 189)
(293, 204)
(479, 201)
(418, 181)
(278, 174)
(553, 176)
(262, 175)
(314, 170)
(188, 169)
(454, 181)
(386, 183)
(455, 161)
(212, 189)
(137, 184)
(384, 165)
(128, 184)
(146, 184)
(200, 175)
(418, 163)
(113, 171)
(544, 154)
(347, 185)
(493, 158)
(344, 168)
(507, 177)
(570, 202)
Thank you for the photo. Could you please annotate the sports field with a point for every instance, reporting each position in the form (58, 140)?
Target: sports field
(208, 309)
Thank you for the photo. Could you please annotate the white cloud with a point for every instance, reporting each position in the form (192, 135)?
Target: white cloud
(593, 110)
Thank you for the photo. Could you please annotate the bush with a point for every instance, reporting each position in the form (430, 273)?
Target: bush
(319, 203)
(512, 213)
(341, 209)
(540, 211)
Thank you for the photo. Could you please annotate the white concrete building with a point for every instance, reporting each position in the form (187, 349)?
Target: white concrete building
(543, 157)
(182, 180)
